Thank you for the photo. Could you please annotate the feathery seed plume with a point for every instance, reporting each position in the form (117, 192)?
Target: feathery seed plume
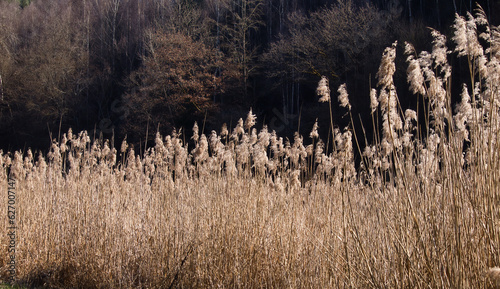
(318, 152)
(414, 72)
(465, 36)
(238, 130)
(440, 52)
(251, 120)
(373, 100)
(463, 113)
(70, 134)
(200, 153)
(410, 115)
(387, 66)
(124, 145)
(343, 96)
(63, 146)
(195, 136)
(224, 132)
(460, 35)
(314, 133)
(264, 136)
(323, 89)
(253, 137)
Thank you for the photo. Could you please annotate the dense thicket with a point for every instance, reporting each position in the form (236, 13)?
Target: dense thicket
(247, 208)
(130, 66)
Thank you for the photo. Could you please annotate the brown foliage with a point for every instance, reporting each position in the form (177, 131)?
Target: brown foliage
(175, 84)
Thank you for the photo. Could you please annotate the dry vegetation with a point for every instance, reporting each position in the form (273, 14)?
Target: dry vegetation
(246, 208)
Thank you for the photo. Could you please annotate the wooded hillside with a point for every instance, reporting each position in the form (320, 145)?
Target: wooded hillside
(130, 67)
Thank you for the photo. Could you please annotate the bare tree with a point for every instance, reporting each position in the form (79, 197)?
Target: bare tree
(245, 18)
(45, 80)
(175, 83)
(337, 41)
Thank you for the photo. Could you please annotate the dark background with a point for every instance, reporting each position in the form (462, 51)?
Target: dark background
(132, 67)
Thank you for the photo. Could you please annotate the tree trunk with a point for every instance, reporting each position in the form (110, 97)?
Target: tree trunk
(409, 11)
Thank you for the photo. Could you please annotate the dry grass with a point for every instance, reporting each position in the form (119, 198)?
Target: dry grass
(248, 209)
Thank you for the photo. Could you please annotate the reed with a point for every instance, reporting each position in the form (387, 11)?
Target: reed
(250, 209)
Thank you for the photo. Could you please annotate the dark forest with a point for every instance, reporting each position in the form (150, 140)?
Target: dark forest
(127, 68)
